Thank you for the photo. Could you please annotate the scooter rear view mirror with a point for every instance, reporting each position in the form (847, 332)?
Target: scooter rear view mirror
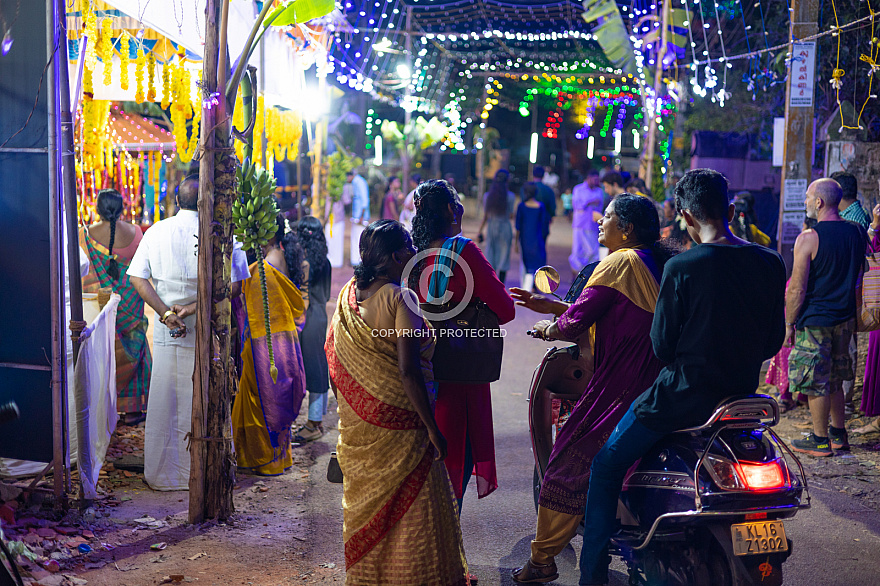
(547, 279)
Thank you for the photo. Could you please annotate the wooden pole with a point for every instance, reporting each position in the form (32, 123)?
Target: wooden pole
(799, 140)
(212, 470)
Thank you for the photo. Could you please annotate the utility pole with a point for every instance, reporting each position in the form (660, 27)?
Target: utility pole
(318, 151)
(646, 172)
(407, 110)
(799, 125)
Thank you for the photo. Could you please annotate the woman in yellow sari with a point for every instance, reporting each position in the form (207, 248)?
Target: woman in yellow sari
(400, 523)
(265, 409)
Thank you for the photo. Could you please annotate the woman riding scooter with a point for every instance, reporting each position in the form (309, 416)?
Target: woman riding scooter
(617, 307)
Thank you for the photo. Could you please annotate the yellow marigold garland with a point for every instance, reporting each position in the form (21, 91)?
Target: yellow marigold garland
(151, 72)
(107, 49)
(258, 130)
(88, 85)
(91, 25)
(140, 66)
(182, 109)
(96, 143)
(166, 85)
(238, 123)
(123, 60)
(186, 146)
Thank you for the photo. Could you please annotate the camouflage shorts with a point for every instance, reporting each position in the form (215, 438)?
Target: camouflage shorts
(820, 359)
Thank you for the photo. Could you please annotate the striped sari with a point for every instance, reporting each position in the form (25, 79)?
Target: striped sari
(264, 410)
(133, 358)
(400, 525)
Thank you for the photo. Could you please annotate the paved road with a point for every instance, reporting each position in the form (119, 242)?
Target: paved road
(835, 543)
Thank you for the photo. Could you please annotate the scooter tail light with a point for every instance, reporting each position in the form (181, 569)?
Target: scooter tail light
(749, 476)
(763, 475)
(725, 473)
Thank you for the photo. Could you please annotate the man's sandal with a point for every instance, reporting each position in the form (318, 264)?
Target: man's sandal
(533, 573)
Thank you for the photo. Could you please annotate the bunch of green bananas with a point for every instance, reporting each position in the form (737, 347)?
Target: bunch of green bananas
(254, 210)
(253, 213)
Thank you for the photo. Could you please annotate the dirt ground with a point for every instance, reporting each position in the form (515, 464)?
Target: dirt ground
(855, 473)
(140, 537)
(270, 540)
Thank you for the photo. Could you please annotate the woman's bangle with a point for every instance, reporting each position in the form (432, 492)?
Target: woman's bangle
(792, 324)
(166, 314)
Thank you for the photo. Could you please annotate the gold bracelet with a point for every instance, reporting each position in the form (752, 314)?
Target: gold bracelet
(166, 314)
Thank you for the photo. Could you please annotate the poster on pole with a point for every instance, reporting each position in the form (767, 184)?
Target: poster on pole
(793, 193)
(803, 75)
(792, 223)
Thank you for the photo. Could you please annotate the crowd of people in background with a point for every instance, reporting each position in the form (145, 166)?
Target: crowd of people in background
(385, 387)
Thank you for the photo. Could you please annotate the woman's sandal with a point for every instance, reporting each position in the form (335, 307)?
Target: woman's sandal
(532, 573)
(873, 427)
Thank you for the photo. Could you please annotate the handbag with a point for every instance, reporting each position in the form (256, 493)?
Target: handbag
(469, 344)
(868, 297)
(334, 472)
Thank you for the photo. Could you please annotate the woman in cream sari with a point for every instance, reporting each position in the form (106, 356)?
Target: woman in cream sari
(401, 525)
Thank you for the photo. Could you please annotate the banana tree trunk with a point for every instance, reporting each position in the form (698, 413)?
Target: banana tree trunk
(212, 473)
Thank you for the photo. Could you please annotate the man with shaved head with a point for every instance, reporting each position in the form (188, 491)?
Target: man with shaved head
(820, 311)
(164, 271)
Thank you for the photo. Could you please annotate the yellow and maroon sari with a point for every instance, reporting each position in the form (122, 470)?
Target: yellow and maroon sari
(400, 523)
(264, 410)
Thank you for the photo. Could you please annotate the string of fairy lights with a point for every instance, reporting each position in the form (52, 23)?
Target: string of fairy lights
(461, 50)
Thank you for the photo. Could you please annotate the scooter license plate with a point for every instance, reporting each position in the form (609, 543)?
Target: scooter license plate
(760, 537)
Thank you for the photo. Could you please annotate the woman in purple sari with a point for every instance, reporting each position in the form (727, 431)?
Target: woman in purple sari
(615, 309)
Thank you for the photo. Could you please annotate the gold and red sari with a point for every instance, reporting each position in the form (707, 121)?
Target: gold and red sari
(400, 522)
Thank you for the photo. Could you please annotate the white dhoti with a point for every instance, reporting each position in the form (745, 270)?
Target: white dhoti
(584, 247)
(356, 231)
(335, 235)
(169, 418)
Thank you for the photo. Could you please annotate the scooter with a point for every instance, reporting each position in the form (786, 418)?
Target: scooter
(706, 505)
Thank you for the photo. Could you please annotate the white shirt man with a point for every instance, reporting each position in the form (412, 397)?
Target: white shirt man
(168, 254)
(586, 198)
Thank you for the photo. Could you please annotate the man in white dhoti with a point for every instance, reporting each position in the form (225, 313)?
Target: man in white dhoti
(586, 198)
(168, 254)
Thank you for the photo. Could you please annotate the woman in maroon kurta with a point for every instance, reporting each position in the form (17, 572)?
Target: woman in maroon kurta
(871, 387)
(463, 411)
(616, 308)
